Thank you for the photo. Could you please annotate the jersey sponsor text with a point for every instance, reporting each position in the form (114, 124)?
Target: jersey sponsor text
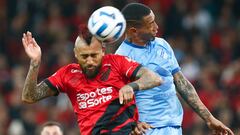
(94, 98)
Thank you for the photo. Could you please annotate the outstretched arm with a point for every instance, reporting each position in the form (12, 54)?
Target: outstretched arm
(189, 94)
(145, 79)
(31, 91)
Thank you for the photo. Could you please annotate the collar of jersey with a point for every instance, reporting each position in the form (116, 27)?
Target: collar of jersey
(134, 45)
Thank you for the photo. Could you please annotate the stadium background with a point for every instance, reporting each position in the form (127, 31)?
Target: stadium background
(205, 36)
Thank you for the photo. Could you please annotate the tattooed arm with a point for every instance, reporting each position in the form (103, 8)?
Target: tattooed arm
(189, 94)
(145, 79)
(31, 91)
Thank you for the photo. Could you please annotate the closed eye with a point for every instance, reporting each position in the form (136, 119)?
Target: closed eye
(84, 56)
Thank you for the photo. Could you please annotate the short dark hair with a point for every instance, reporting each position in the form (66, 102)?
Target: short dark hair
(134, 13)
(49, 123)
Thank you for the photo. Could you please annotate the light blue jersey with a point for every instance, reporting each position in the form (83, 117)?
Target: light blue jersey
(164, 131)
(158, 106)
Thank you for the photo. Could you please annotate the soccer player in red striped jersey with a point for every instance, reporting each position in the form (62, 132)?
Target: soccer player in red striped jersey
(100, 87)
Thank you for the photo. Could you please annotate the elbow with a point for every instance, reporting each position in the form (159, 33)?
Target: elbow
(27, 101)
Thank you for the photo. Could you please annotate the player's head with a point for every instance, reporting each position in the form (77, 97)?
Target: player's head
(88, 51)
(51, 128)
(141, 25)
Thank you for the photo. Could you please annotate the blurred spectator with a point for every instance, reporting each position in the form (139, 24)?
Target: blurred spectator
(16, 128)
(50, 128)
(190, 68)
(197, 18)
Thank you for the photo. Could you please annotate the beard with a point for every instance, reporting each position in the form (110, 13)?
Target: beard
(147, 37)
(91, 73)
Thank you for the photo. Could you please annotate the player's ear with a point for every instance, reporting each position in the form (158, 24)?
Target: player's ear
(103, 50)
(75, 52)
(132, 30)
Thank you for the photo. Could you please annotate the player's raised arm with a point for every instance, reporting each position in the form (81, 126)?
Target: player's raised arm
(33, 92)
(145, 79)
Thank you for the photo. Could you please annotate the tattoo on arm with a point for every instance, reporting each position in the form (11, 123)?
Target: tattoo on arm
(31, 91)
(189, 94)
(134, 85)
(147, 79)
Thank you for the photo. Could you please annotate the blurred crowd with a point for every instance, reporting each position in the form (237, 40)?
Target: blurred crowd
(205, 36)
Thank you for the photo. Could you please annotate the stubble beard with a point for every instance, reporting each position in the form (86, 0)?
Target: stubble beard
(147, 37)
(91, 74)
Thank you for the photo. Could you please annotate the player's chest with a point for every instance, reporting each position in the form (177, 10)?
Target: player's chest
(105, 82)
(154, 59)
(94, 93)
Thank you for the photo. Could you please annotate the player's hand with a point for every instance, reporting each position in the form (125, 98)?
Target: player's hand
(218, 128)
(125, 94)
(31, 47)
(141, 128)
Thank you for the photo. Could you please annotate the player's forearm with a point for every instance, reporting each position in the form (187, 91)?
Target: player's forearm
(147, 79)
(29, 90)
(189, 94)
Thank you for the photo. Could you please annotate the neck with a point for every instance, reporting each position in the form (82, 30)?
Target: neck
(138, 42)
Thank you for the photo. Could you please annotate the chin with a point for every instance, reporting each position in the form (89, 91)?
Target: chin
(90, 76)
(153, 38)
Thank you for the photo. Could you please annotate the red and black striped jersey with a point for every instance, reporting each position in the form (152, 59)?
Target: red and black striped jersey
(95, 101)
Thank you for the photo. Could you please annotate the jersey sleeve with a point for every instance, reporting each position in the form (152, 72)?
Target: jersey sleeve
(175, 68)
(56, 81)
(174, 63)
(127, 67)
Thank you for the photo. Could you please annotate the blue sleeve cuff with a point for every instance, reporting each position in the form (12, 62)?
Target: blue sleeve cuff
(176, 70)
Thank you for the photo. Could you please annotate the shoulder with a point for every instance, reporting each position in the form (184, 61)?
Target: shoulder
(162, 43)
(125, 43)
(73, 67)
(124, 48)
(160, 40)
(113, 57)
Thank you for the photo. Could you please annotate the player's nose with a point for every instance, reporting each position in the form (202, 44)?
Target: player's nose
(155, 26)
(90, 61)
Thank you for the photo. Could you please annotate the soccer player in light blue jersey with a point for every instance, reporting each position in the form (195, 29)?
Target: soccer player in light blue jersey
(160, 106)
